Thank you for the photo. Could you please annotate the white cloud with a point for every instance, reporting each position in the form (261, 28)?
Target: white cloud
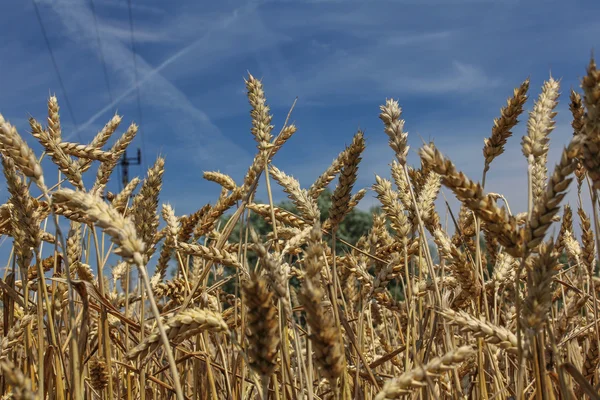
(203, 139)
(120, 30)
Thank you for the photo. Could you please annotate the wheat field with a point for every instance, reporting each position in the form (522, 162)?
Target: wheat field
(493, 308)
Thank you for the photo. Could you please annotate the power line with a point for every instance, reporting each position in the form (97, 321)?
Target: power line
(60, 81)
(106, 80)
(105, 71)
(137, 87)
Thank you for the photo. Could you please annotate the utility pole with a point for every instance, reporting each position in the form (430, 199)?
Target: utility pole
(126, 162)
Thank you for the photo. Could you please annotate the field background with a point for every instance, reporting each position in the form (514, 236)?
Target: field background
(188, 74)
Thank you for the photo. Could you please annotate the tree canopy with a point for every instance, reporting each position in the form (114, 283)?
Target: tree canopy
(356, 224)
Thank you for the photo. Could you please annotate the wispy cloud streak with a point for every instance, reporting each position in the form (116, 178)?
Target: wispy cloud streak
(157, 91)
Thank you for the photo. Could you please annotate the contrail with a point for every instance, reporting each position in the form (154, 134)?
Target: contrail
(235, 15)
(148, 75)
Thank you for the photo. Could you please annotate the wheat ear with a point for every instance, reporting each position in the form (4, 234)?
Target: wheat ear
(416, 378)
(123, 234)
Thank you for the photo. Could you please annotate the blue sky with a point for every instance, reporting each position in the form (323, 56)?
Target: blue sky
(451, 64)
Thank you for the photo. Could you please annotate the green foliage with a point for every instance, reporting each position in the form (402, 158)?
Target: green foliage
(356, 224)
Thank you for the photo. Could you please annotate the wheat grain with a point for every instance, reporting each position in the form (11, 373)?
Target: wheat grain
(181, 326)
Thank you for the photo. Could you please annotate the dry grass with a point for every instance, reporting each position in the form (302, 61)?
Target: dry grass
(505, 311)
